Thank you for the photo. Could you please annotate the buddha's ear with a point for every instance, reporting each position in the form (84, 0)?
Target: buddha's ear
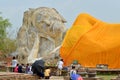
(62, 19)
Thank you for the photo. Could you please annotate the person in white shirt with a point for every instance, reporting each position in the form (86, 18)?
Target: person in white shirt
(60, 66)
(14, 63)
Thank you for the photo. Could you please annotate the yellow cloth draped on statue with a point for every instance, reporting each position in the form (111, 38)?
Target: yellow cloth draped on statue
(92, 42)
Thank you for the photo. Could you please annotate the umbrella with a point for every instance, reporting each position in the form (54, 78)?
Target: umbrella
(38, 67)
(39, 63)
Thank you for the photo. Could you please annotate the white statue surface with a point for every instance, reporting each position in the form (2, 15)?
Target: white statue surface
(40, 34)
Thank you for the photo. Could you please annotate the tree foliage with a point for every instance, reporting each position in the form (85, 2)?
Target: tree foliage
(7, 45)
(4, 24)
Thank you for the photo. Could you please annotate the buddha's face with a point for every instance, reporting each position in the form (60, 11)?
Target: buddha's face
(49, 21)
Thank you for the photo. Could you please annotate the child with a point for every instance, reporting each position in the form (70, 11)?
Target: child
(74, 75)
(47, 73)
(72, 71)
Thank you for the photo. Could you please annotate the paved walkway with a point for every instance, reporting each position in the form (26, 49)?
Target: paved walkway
(56, 78)
(22, 76)
(16, 76)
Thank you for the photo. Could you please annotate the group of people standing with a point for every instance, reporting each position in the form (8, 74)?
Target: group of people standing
(21, 68)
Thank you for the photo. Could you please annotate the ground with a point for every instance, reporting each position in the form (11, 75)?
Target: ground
(107, 77)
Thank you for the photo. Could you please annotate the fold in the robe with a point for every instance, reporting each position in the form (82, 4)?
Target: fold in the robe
(92, 42)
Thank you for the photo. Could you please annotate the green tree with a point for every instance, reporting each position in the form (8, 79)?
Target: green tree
(7, 45)
(4, 24)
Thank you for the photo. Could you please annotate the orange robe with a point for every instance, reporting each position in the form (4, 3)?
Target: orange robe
(92, 42)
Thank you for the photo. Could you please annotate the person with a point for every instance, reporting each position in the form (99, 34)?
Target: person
(27, 68)
(20, 68)
(60, 66)
(47, 73)
(14, 63)
(73, 71)
(30, 69)
(16, 68)
(23, 68)
(74, 75)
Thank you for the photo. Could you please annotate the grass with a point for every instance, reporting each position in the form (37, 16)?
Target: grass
(107, 77)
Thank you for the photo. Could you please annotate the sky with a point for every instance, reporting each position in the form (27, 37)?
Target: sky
(105, 10)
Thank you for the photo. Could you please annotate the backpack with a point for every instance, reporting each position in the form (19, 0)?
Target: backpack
(16, 69)
(71, 74)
